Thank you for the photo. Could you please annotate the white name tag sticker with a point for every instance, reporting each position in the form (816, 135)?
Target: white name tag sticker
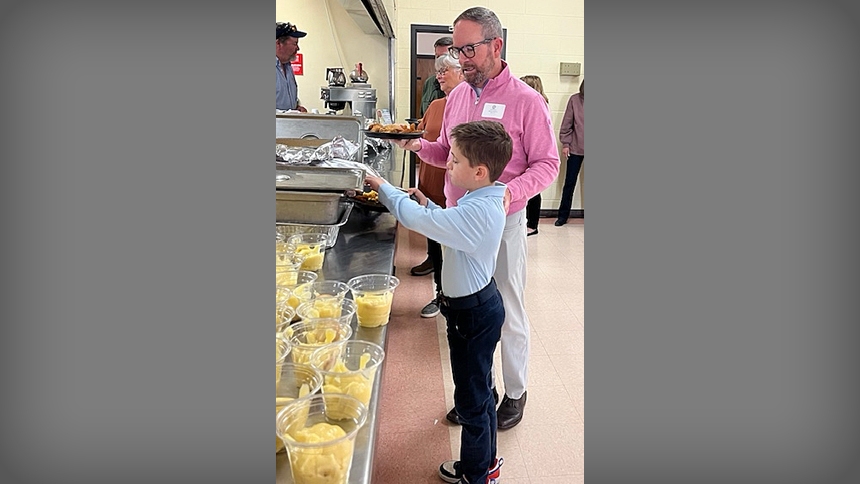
(492, 110)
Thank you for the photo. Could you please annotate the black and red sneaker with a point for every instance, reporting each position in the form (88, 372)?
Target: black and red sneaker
(450, 472)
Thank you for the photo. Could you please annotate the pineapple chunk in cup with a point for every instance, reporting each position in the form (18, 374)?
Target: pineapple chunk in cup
(319, 434)
(284, 347)
(324, 293)
(349, 367)
(287, 260)
(312, 247)
(284, 315)
(306, 336)
(294, 382)
(287, 281)
(322, 308)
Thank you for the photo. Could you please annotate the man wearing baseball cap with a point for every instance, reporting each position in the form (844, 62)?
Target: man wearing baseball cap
(286, 47)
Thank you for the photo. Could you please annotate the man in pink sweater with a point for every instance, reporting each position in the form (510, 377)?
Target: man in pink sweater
(492, 93)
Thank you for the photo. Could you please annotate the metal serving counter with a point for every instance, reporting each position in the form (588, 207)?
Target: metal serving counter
(365, 244)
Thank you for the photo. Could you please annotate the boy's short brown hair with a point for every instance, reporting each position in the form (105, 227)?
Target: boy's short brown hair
(484, 143)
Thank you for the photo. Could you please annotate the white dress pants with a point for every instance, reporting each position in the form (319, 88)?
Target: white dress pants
(511, 280)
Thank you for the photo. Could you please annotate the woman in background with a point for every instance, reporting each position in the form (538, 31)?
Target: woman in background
(571, 136)
(431, 180)
(533, 207)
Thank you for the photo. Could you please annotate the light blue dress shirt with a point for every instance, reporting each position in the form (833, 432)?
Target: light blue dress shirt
(287, 96)
(470, 233)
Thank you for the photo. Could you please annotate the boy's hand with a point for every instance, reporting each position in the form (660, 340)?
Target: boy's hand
(374, 182)
(415, 194)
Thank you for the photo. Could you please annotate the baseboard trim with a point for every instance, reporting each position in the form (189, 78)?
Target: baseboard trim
(575, 213)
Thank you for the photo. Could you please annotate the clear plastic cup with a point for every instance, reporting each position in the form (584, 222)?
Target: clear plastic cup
(331, 292)
(284, 347)
(306, 336)
(294, 382)
(323, 308)
(292, 278)
(284, 316)
(312, 246)
(319, 434)
(288, 280)
(289, 260)
(281, 236)
(349, 367)
(373, 293)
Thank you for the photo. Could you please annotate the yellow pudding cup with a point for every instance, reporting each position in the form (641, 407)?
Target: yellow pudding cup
(373, 295)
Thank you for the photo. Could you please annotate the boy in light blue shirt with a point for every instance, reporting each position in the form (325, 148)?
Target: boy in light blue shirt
(470, 234)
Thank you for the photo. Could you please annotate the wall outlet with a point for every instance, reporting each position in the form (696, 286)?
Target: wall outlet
(570, 68)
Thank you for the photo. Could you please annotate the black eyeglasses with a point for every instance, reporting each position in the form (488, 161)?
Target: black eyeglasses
(468, 50)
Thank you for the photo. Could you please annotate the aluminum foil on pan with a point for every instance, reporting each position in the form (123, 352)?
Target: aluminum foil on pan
(338, 147)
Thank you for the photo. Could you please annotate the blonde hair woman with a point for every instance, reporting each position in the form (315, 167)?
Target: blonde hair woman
(533, 207)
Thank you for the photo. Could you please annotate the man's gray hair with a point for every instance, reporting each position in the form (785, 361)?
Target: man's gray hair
(491, 27)
(445, 60)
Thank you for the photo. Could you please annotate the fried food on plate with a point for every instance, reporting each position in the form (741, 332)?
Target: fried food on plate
(393, 128)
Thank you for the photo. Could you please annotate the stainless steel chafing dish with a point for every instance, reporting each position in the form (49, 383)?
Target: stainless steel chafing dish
(309, 127)
(314, 195)
(309, 197)
(303, 177)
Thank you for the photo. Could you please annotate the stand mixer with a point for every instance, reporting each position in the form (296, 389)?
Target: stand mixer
(360, 96)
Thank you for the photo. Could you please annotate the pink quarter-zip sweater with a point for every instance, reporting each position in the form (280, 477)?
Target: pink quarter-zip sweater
(524, 113)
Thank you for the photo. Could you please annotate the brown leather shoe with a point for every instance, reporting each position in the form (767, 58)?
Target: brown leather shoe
(510, 412)
(423, 268)
(455, 419)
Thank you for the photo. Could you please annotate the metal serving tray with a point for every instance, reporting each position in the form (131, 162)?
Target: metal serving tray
(288, 229)
(307, 207)
(303, 177)
(320, 126)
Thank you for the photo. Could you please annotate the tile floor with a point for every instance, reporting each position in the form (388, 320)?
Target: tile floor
(548, 445)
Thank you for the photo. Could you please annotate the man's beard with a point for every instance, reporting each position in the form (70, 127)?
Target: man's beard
(478, 77)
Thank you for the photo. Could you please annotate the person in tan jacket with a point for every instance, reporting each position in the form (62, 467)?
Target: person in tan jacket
(431, 179)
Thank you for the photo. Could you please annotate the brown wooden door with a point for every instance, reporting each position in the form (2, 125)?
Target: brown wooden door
(425, 68)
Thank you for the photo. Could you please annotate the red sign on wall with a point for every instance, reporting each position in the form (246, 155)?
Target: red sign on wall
(298, 65)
